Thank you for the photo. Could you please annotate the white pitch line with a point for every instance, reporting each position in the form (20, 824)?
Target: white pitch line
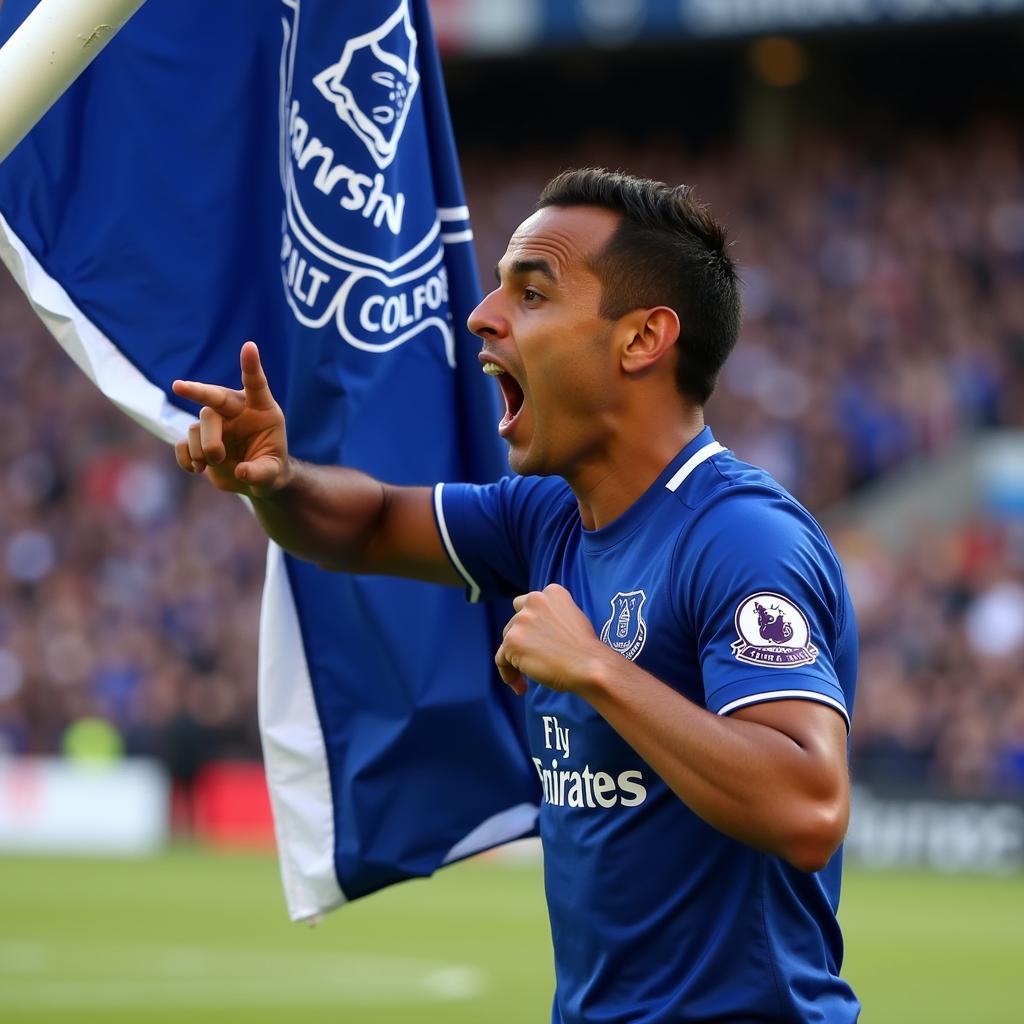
(38, 977)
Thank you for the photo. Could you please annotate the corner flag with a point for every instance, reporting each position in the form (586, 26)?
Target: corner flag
(284, 170)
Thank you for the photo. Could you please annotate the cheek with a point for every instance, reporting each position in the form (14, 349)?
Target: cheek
(568, 403)
(587, 378)
(563, 385)
(573, 375)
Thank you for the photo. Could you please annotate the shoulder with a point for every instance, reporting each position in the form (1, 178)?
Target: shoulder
(740, 524)
(523, 508)
(747, 507)
(513, 493)
(493, 532)
(530, 502)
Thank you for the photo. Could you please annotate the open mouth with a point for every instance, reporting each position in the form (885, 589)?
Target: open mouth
(510, 391)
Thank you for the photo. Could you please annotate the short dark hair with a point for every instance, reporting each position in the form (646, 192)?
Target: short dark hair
(666, 251)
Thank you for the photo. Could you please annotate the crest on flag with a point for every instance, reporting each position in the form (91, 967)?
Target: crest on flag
(373, 82)
(361, 240)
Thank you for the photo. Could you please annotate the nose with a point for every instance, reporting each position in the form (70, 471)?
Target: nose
(487, 321)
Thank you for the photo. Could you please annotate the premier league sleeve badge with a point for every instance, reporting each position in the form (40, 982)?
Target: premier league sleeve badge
(773, 632)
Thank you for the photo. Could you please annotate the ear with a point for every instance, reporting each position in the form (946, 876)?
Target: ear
(647, 335)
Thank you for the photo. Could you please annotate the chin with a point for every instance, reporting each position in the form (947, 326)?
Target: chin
(521, 462)
(528, 463)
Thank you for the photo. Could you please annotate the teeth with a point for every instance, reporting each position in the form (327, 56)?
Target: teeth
(493, 370)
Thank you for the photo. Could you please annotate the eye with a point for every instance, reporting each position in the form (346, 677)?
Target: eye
(531, 295)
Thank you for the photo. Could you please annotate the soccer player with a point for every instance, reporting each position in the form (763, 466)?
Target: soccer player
(682, 630)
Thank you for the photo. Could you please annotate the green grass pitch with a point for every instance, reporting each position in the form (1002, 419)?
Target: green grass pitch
(203, 937)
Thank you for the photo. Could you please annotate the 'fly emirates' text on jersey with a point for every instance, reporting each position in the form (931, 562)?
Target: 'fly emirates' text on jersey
(720, 584)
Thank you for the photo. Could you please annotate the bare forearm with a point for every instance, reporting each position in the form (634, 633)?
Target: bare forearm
(751, 781)
(324, 514)
(347, 521)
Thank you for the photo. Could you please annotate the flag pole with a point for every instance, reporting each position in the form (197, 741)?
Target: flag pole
(47, 52)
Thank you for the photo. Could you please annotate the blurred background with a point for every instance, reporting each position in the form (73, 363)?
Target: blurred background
(867, 157)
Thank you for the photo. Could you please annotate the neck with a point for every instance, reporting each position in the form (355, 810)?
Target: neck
(613, 479)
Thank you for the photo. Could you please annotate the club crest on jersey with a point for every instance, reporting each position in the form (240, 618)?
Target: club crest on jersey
(625, 631)
(773, 632)
(372, 84)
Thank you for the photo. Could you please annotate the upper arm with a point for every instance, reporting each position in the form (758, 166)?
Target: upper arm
(407, 541)
(818, 730)
(474, 535)
(818, 819)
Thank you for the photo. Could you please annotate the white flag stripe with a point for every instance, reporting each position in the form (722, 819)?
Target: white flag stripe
(294, 754)
(95, 354)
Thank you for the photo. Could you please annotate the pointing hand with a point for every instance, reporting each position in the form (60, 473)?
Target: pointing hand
(240, 442)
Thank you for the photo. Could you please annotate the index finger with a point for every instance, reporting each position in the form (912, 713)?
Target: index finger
(227, 402)
(254, 380)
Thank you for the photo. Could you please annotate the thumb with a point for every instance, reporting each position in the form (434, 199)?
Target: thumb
(260, 474)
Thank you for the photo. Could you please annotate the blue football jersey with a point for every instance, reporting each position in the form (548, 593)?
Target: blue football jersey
(720, 584)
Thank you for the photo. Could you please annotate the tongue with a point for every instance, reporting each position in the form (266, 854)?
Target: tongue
(513, 395)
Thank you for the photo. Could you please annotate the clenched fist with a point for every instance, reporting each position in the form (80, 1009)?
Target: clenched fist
(550, 640)
(240, 441)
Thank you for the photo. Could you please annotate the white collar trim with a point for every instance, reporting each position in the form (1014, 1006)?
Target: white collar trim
(699, 456)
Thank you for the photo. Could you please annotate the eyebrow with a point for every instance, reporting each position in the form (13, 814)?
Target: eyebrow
(520, 268)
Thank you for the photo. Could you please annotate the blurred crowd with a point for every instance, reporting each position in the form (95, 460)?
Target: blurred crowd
(127, 592)
(883, 307)
(940, 699)
(884, 317)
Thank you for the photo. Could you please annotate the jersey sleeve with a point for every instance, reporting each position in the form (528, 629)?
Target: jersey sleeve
(767, 603)
(491, 531)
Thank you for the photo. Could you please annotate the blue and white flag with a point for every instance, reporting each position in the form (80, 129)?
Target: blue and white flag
(283, 170)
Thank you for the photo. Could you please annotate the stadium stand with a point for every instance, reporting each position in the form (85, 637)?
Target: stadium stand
(131, 593)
